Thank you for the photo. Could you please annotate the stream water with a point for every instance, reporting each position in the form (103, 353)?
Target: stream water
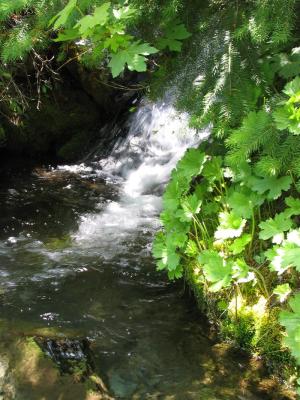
(75, 256)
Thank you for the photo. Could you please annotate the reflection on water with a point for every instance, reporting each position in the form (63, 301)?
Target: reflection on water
(75, 256)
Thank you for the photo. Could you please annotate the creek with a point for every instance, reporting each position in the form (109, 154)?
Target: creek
(75, 260)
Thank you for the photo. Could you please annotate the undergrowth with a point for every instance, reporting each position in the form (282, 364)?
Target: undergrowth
(231, 210)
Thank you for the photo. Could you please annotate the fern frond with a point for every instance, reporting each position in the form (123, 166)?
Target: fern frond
(256, 130)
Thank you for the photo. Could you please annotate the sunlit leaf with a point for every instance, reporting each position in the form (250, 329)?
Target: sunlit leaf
(282, 291)
(275, 227)
(61, 18)
(215, 269)
(134, 56)
(291, 322)
(239, 244)
(231, 226)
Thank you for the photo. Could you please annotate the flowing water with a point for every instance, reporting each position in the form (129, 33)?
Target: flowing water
(75, 256)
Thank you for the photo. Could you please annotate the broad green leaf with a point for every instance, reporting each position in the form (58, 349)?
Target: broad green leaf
(243, 203)
(240, 271)
(231, 226)
(61, 18)
(191, 164)
(288, 115)
(293, 87)
(168, 258)
(176, 240)
(190, 207)
(173, 223)
(294, 206)
(284, 257)
(67, 35)
(100, 16)
(173, 37)
(134, 56)
(212, 169)
(117, 41)
(239, 244)
(240, 173)
(159, 245)
(291, 322)
(275, 227)
(215, 269)
(282, 291)
(272, 186)
(172, 196)
(176, 273)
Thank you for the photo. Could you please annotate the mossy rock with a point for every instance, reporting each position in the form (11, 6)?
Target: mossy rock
(32, 375)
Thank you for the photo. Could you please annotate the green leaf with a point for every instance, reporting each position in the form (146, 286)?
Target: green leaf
(191, 249)
(190, 207)
(294, 206)
(274, 228)
(291, 322)
(293, 87)
(173, 37)
(231, 226)
(172, 195)
(176, 240)
(191, 164)
(166, 253)
(282, 291)
(241, 271)
(271, 185)
(67, 35)
(117, 41)
(212, 169)
(176, 273)
(215, 269)
(100, 16)
(159, 245)
(172, 223)
(288, 116)
(290, 65)
(134, 56)
(239, 244)
(243, 203)
(61, 18)
(287, 255)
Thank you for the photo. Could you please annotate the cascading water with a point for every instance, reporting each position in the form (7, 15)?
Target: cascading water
(158, 137)
(75, 257)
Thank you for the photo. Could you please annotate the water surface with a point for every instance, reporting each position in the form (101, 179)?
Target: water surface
(75, 256)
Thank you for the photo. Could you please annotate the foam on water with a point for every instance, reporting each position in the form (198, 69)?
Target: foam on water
(158, 137)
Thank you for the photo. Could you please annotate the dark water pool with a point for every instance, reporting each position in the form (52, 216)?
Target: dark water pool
(146, 338)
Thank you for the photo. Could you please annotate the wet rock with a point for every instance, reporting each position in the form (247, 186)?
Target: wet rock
(71, 355)
(29, 374)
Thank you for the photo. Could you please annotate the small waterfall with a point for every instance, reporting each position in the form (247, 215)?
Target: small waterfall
(158, 137)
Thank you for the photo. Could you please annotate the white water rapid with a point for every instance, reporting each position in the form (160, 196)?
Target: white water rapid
(158, 137)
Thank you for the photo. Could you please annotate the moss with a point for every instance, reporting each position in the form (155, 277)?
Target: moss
(34, 376)
(248, 323)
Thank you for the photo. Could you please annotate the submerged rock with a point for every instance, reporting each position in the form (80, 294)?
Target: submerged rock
(28, 373)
